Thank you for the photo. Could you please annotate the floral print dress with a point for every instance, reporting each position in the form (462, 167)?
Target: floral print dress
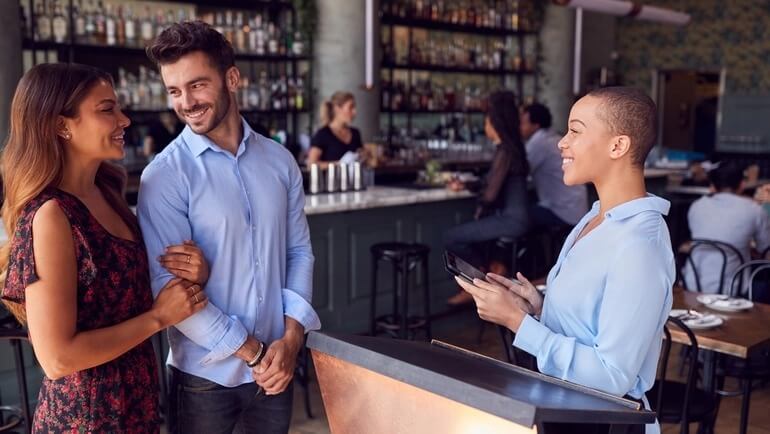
(120, 396)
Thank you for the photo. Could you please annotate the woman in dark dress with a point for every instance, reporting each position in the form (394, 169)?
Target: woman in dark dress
(75, 269)
(502, 205)
(336, 137)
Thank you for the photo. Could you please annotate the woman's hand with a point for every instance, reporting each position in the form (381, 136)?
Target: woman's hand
(496, 303)
(762, 195)
(521, 287)
(186, 261)
(178, 300)
(455, 185)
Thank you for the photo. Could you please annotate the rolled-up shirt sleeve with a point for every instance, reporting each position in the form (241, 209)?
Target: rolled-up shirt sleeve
(162, 211)
(637, 291)
(298, 294)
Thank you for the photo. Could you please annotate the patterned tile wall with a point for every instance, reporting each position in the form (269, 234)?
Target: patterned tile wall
(730, 33)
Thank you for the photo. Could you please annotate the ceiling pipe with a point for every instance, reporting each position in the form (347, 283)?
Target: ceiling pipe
(629, 9)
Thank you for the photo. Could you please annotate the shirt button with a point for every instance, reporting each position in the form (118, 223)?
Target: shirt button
(260, 299)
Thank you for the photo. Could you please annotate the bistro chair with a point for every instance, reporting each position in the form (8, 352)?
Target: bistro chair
(686, 254)
(756, 368)
(679, 402)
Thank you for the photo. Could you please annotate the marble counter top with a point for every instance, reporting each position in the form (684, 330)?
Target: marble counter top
(376, 197)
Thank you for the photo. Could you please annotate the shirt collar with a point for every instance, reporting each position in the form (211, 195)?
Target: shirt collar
(198, 143)
(634, 207)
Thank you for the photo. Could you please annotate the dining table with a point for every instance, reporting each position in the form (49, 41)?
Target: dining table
(741, 334)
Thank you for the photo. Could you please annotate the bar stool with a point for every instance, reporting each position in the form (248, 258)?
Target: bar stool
(21, 414)
(541, 246)
(404, 257)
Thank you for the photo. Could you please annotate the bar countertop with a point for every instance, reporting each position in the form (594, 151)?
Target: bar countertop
(377, 197)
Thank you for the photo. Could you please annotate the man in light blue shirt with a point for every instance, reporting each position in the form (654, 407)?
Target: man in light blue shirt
(558, 204)
(240, 197)
(610, 292)
(726, 216)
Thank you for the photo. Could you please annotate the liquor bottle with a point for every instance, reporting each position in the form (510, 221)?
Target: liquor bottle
(60, 27)
(291, 95)
(146, 26)
(515, 15)
(252, 36)
(229, 28)
(80, 22)
(241, 33)
(160, 22)
(219, 22)
(90, 21)
(254, 96)
(259, 33)
(272, 43)
(110, 26)
(100, 21)
(24, 20)
(43, 28)
(130, 25)
(120, 26)
(298, 46)
(299, 102)
(264, 91)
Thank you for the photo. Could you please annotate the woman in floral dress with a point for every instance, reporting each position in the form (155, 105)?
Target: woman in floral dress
(75, 269)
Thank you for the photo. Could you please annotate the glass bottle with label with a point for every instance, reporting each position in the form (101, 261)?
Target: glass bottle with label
(80, 22)
(60, 27)
(110, 27)
(90, 22)
(43, 28)
(147, 31)
(100, 20)
(130, 25)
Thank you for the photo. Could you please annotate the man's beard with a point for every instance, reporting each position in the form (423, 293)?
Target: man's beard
(218, 112)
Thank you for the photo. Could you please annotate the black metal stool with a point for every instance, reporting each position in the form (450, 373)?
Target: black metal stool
(404, 257)
(541, 246)
(21, 414)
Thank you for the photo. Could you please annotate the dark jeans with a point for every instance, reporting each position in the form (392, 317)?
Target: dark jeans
(201, 406)
(466, 240)
(543, 218)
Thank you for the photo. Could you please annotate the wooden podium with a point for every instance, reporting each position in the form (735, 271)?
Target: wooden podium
(373, 385)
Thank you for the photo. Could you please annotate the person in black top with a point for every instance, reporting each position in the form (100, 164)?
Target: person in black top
(336, 137)
(502, 206)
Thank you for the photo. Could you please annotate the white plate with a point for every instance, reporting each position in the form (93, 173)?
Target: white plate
(704, 322)
(676, 313)
(721, 303)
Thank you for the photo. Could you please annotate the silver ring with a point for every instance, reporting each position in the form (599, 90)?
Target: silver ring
(195, 297)
(188, 259)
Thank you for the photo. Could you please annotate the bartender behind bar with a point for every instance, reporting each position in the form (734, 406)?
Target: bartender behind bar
(336, 138)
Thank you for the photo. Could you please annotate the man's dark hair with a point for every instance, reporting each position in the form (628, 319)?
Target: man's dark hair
(539, 114)
(629, 111)
(728, 176)
(186, 37)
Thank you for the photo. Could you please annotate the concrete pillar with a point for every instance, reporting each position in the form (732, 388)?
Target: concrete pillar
(557, 49)
(10, 67)
(339, 59)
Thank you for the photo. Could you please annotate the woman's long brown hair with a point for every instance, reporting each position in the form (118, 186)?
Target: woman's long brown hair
(33, 157)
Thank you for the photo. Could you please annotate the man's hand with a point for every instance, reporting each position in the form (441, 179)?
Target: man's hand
(276, 370)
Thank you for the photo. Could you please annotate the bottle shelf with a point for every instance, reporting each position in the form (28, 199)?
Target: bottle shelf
(449, 27)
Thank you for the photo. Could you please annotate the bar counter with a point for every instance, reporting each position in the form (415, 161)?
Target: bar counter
(343, 227)
(377, 197)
